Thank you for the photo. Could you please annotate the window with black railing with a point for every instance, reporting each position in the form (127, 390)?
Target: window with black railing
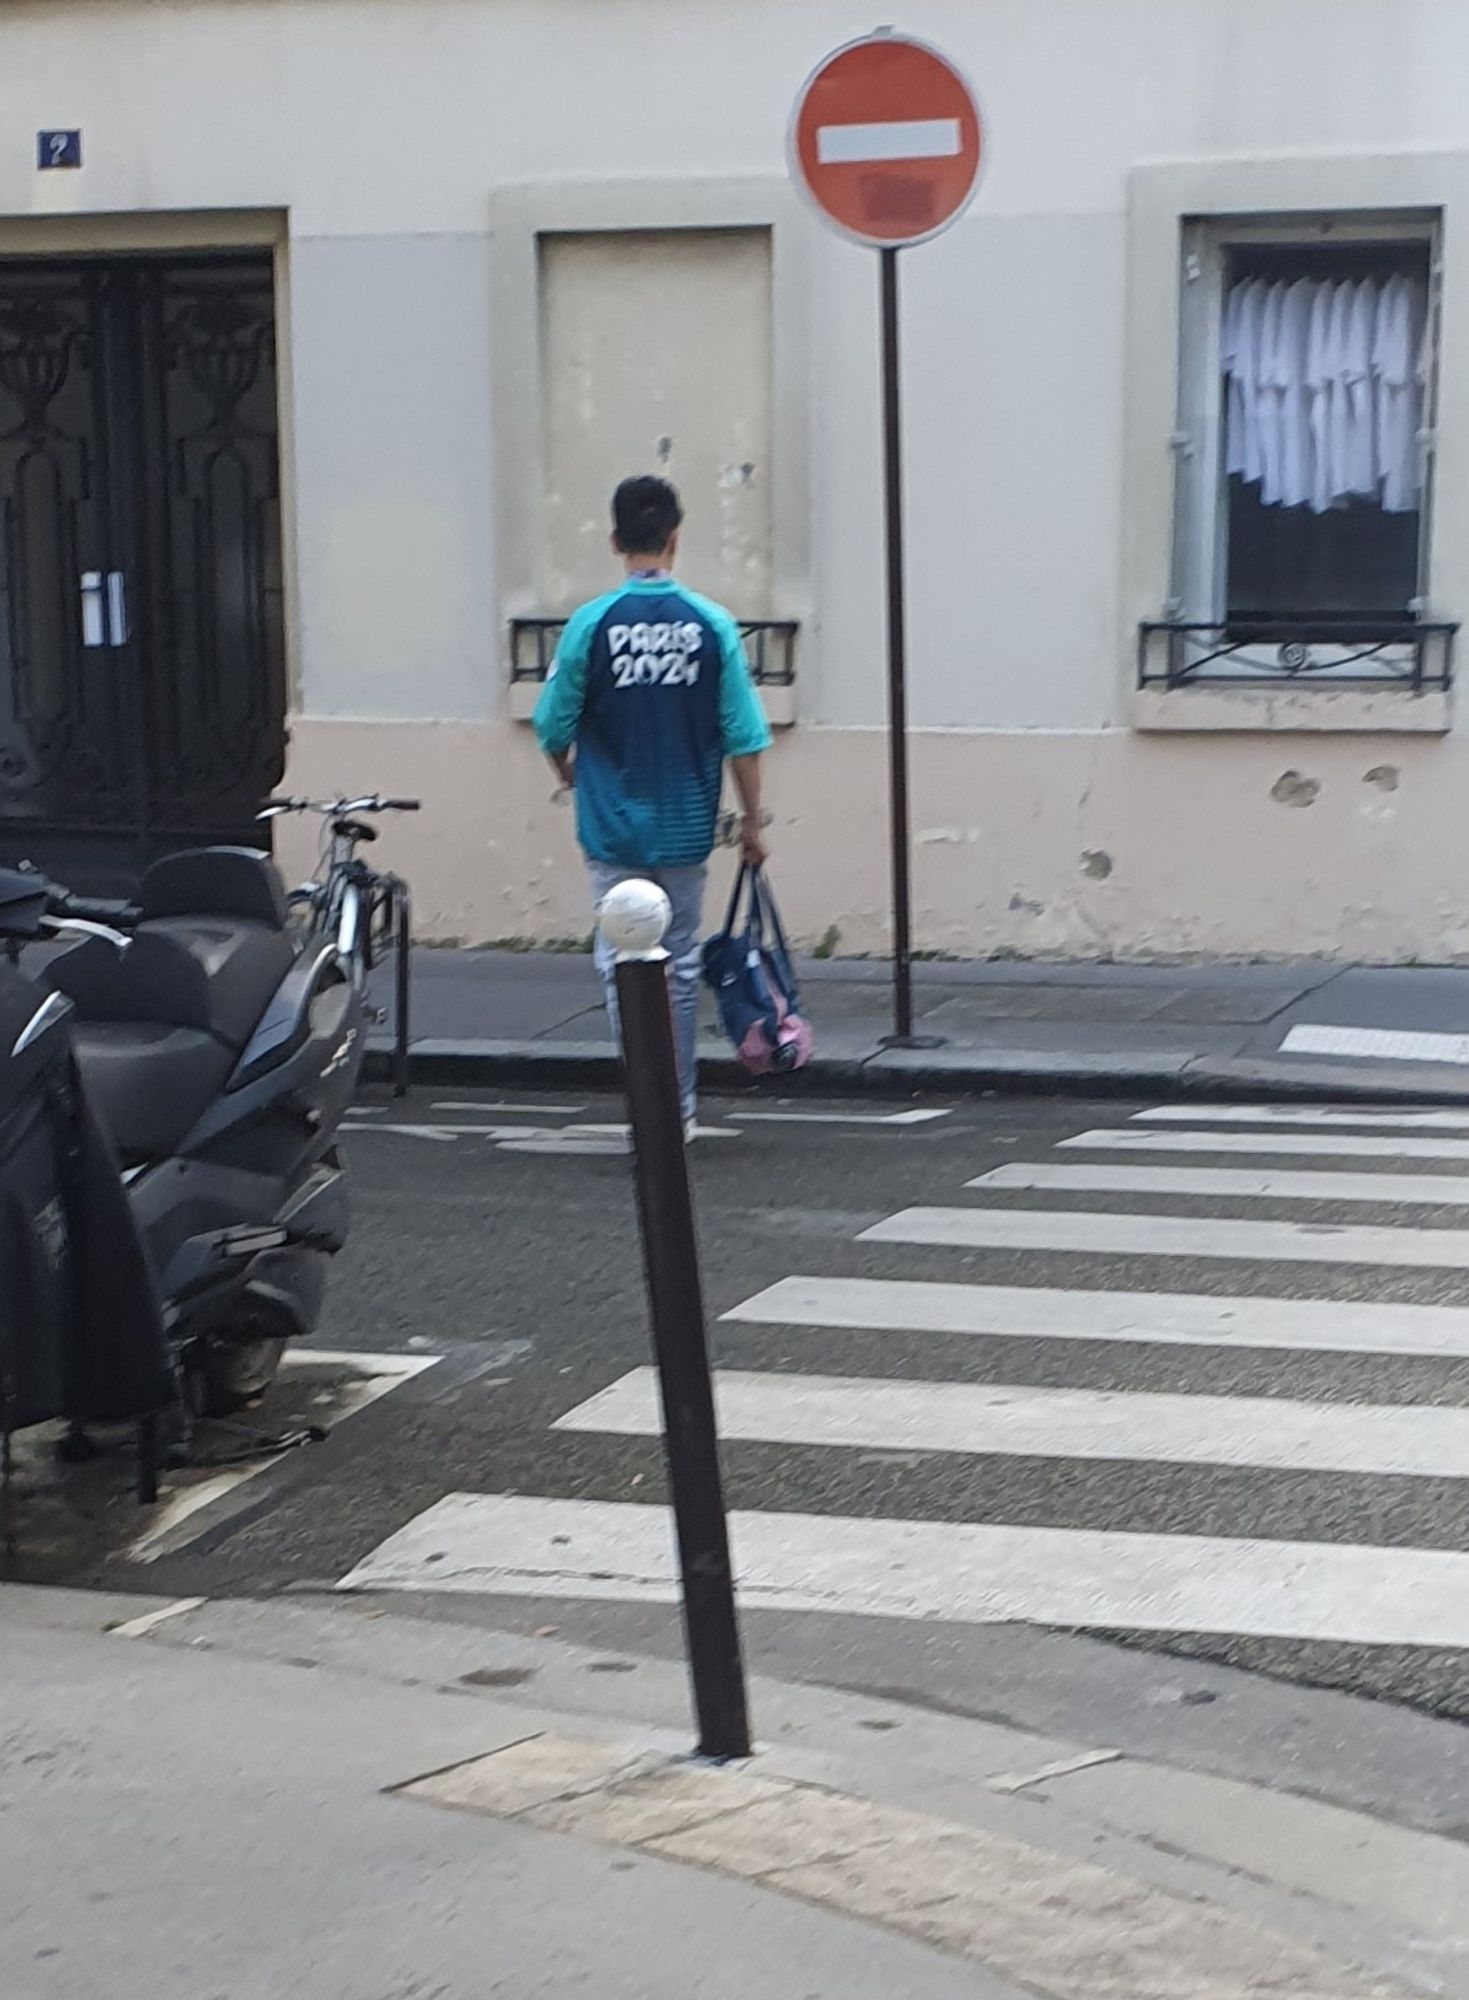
(1305, 456)
(1412, 652)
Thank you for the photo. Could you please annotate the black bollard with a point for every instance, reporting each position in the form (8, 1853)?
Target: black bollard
(680, 1341)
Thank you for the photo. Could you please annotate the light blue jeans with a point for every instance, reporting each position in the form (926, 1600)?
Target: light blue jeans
(684, 888)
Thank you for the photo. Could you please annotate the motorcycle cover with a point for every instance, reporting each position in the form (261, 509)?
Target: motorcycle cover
(81, 1327)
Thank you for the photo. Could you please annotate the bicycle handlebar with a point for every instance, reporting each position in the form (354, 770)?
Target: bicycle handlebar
(338, 808)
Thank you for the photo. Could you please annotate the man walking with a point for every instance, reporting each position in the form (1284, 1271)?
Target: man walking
(648, 695)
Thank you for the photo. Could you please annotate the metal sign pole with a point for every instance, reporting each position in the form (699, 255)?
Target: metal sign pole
(885, 142)
(680, 1340)
(902, 1036)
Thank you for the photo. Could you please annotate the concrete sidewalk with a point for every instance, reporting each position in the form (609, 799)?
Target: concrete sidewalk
(1390, 1033)
(320, 1797)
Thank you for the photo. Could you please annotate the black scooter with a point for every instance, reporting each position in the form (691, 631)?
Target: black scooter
(216, 1052)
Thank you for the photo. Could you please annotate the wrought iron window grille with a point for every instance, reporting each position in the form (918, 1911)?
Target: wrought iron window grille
(770, 648)
(1404, 653)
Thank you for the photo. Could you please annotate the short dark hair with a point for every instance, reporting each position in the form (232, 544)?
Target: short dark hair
(645, 515)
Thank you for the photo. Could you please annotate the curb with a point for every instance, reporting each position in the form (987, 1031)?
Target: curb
(578, 1066)
(1048, 1922)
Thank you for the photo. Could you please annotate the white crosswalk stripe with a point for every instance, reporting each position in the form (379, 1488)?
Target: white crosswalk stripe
(1304, 1114)
(1055, 1423)
(1302, 1145)
(1304, 1326)
(1172, 1236)
(948, 1571)
(1079, 1564)
(1232, 1183)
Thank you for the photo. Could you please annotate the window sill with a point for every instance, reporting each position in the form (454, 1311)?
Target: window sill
(1317, 710)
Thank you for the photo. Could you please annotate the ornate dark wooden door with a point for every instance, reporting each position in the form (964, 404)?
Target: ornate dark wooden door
(142, 670)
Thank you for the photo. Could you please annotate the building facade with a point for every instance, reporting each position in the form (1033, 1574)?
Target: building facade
(317, 369)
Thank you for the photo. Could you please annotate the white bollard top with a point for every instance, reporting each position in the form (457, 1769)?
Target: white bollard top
(634, 919)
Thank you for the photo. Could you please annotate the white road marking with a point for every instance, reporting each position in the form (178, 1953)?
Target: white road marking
(888, 139)
(149, 1621)
(447, 1133)
(837, 1117)
(1173, 1236)
(532, 1110)
(998, 1419)
(1423, 1190)
(625, 1131)
(592, 1145)
(387, 1370)
(1324, 1326)
(594, 1141)
(1379, 1044)
(443, 1134)
(1302, 1145)
(953, 1572)
(1302, 1114)
(175, 1522)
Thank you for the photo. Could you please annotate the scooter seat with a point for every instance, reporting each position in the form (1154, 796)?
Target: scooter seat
(215, 975)
(150, 1082)
(160, 1027)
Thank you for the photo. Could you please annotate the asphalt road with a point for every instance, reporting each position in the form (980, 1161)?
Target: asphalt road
(511, 1255)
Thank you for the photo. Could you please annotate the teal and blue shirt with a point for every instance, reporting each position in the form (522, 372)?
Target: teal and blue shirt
(650, 684)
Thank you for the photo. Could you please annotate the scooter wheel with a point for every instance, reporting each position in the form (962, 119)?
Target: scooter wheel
(229, 1374)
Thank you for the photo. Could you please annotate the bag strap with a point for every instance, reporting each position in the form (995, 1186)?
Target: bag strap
(770, 913)
(757, 910)
(731, 915)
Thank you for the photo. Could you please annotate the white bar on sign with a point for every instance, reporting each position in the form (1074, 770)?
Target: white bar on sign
(954, 1571)
(982, 1419)
(1033, 1312)
(1078, 1231)
(892, 139)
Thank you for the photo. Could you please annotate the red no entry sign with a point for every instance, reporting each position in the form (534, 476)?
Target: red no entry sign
(885, 139)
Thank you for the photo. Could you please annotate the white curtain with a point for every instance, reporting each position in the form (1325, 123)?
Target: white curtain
(1324, 390)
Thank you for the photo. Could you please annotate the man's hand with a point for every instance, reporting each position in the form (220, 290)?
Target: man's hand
(752, 847)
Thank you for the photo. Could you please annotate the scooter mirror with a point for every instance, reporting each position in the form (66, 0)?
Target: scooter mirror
(24, 898)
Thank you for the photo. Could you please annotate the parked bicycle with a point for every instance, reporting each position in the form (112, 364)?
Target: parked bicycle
(366, 913)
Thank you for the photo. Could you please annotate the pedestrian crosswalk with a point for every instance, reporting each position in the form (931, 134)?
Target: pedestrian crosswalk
(1084, 1455)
